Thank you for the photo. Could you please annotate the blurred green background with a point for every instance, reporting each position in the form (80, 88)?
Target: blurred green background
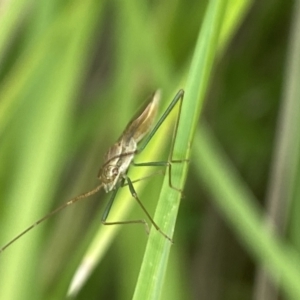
(72, 73)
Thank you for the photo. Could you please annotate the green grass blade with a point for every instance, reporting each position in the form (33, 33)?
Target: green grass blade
(151, 277)
(39, 130)
(124, 203)
(244, 216)
(120, 210)
(283, 189)
(60, 111)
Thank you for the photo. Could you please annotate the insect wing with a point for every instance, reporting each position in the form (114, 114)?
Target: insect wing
(141, 124)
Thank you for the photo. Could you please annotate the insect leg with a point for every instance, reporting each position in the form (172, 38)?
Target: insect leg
(167, 164)
(178, 97)
(135, 196)
(109, 205)
(160, 172)
(133, 193)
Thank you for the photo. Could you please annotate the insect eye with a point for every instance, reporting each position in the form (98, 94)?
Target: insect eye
(115, 171)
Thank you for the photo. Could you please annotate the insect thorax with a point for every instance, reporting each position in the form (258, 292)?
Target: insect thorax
(116, 163)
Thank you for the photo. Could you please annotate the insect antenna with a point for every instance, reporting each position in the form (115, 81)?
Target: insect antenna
(70, 202)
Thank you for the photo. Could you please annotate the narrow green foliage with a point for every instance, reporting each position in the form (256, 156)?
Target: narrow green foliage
(152, 274)
(72, 74)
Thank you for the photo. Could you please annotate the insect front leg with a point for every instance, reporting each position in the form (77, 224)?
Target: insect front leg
(178, 98)
(110, 203)
(135, 196)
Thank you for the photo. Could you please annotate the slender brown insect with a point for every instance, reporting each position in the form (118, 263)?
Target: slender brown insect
(119, 157)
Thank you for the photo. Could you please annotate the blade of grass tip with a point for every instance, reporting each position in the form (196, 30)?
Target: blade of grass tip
(121, 208)
(239, 208)
(152, 273)
(283, 183)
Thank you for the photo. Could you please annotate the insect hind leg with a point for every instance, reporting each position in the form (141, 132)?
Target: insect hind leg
(167, 164)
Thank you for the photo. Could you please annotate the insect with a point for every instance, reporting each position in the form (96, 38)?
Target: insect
(118, 159)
